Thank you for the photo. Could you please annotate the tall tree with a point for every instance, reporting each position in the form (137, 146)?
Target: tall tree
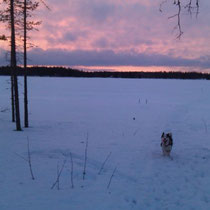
(14, 65)
(5, 17)
(28, 7)
(25, 66)
(17, 14)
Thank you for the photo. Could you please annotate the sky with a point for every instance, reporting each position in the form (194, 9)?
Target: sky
(121, 34)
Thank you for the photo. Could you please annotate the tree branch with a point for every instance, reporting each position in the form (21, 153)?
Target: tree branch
(190, 6)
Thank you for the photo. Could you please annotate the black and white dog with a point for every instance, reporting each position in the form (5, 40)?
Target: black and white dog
(166, 143)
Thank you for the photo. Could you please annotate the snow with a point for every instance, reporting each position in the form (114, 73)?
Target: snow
(123, 116)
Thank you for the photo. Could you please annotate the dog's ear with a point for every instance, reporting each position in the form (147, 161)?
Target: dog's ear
(170, 134)
(162, 135)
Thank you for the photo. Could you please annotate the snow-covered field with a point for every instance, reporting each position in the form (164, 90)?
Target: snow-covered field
(123, 116)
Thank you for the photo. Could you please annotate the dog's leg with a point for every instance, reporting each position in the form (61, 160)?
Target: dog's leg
(170, 157)
(163, 151)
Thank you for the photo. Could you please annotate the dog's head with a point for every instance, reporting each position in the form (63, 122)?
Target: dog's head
(166, 138)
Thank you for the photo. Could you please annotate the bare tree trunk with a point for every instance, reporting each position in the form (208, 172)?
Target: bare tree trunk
(25, 68)
(14, 65)
(12, 96)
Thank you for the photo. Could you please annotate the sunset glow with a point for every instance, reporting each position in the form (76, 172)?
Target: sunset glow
(142, 68)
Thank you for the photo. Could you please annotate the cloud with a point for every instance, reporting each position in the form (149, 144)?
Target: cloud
(110, 58)
(97, 11)
(101, 43)
(121, 25)
(70, 36)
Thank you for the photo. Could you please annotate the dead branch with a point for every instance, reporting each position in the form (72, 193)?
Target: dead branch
(110, 180)
(161, 4)
(102, 166)
(190, 6)
(58, 182)
(178, 26)
(197, 8)
(59, 172)
(20, 156)
(85, 162)
(205, 125)
(29, 159)
(72, 171)
(4, 110)
(44, 3)
(136, 131)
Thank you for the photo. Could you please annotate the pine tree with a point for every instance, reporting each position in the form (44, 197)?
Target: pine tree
(28, 7)
(13, 65)
(16, 16)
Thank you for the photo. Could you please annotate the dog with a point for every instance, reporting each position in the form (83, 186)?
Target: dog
(166, 143)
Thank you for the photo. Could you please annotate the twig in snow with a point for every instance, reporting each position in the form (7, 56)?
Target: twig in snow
(58, 182)
(59, 172)
(72, 171)
(4, 110)
(85, 163)
(135, 132)
(102, 167)
(28, 160)
(110, 180)
(20, 156)
(205, 126)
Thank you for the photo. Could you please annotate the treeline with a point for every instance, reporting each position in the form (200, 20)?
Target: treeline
(68, 72)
